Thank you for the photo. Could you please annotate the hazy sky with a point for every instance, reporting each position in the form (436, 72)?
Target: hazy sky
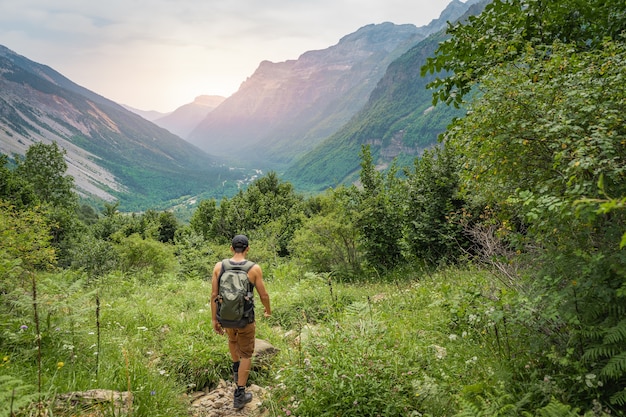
(161, 54)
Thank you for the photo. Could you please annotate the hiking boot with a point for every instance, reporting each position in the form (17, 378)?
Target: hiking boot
(241, 398)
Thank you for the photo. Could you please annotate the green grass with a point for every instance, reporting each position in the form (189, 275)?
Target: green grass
(412, 346)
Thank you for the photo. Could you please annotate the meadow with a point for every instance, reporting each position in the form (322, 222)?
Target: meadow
(414, 345)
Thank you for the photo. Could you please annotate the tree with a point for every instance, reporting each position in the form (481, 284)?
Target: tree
(13, 188)
(432, 229)
(44, 168)
(506, 28)
(266, 203)
(203, 217)
(328, 241)
(543, 140)
(379, 214)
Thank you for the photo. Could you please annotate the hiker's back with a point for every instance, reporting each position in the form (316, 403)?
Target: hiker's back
(235, 302)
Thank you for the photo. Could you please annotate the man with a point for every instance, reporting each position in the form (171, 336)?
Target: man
(240, 339)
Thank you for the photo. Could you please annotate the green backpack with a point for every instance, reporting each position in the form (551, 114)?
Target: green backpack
(235, 303)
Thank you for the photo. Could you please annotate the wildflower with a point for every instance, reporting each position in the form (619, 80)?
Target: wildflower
(153, 392)
(452, 337)
(23, 327)
(60, 365)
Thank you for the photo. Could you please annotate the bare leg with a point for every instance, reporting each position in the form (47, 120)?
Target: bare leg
(234, 354)
(244, 371)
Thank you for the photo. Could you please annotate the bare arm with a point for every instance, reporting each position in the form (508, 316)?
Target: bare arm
(256, 277)
(214, 293)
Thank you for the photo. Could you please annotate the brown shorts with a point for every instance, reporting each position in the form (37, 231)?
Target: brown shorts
(244, 340)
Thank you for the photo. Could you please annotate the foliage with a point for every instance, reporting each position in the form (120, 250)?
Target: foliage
(13, 188)
(268, 207)
(136, 253)
(14, 395)
(24, 238)
(505, 29)
(328, 241)
(432, 230)
(378, 215)
(44, 168)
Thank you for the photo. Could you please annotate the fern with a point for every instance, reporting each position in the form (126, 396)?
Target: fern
(480, 407)
(14, 395)
(469, 409)
(619, 398)
(557, 409)
(357, 309)
(616, 334)
(615, 367)
(598, 352)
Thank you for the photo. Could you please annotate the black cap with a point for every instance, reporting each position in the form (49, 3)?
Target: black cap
(240, 242)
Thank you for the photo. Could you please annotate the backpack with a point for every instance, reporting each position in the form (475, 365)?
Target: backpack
(235, 303)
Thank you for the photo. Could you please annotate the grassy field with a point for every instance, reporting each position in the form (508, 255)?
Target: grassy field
(409, 344)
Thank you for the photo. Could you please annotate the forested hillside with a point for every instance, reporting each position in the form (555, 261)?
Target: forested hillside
(398, 122)
(488, 279)
(112, 153)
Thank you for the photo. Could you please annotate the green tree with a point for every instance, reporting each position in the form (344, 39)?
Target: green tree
(544, 129)
(433, 206)
(268, 203)
(328, 241)
(13, 188)
(379, 214)
(168, 224)
(203, 218)
(44, 167)
(506, 28)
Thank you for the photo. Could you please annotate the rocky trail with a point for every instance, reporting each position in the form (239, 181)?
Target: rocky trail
(219, 402)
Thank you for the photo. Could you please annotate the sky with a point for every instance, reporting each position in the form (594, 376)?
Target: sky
(161, 54)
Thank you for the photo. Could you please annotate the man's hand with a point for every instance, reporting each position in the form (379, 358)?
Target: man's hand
(267, 314)
(216, 326)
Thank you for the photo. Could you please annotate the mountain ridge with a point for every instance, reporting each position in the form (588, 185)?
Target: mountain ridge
(285, 109)
(112, 153)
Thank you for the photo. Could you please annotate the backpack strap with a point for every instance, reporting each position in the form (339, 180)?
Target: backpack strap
(245, 266)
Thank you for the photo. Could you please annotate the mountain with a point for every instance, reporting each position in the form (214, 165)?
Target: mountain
(185, 118)
(398, 121)
(285, 109)
(112, 153)
(150, 115)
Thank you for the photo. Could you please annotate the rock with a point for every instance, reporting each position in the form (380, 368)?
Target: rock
(263, 349)
(97, 398)
(219, 402)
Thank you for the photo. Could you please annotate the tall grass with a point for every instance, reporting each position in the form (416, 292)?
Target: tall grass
(418, 344)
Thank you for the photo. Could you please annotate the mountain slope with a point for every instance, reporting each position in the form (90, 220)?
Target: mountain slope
(185, 118)
(111, 152)
(285, 109)
(281, 101)
(398, 121)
